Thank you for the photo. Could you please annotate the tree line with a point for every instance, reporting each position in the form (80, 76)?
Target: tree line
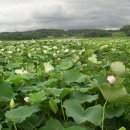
(54, 33)
(59, 33)
(126, 29)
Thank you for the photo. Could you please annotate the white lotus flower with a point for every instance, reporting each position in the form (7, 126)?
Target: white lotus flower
(20, 71)
(48, 67)
(26, 99)
(66, 50)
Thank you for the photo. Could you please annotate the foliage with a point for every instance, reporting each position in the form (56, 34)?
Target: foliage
(54, 33)
(126, 29)
(62, 84)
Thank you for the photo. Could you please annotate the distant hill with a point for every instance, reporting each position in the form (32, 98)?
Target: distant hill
(54, 33)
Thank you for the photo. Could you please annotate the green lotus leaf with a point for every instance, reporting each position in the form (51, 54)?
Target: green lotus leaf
(118, 67)
(21, 113)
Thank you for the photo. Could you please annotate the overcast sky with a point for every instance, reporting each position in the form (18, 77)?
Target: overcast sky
(22, 15)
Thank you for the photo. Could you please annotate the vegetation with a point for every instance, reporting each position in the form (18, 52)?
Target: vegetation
(53, 33)
(126, 29)
(65, 84)
(57, 33)
(118, 34)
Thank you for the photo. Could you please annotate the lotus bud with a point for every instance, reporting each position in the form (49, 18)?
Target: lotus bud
(12, 104)
(59, 59)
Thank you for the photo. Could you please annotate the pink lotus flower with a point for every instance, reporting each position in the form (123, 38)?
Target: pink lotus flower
(26, 99)
(111, 79)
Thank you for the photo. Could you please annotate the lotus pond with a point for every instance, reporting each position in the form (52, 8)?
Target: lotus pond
(65, 84)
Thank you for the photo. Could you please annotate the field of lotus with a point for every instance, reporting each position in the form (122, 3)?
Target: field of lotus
(65, 84)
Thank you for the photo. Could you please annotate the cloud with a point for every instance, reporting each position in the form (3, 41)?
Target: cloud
(22, 15)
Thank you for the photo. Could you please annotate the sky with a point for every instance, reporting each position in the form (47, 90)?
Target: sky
(24, 15)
